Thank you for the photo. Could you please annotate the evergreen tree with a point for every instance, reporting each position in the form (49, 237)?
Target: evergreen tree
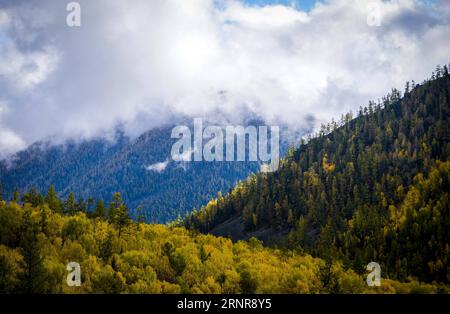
(118, 212)
(33, 276)
(52, 200)
(100, 209)
(106, 248)
(70, 204)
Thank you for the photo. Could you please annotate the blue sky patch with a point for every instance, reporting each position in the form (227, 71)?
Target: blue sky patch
(304, 5)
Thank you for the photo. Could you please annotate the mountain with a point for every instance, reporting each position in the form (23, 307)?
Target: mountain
(370, 188)
(141, 169)
(98, 168)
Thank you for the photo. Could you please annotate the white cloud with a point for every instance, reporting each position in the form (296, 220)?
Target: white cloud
(26, 70)
(23, 68)
(140, 64)
(158, 167)
(4, 19)
(9, 143)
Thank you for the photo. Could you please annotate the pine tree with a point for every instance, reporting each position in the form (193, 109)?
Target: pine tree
(70, 204)
(100, 209)
(106, 247)
(118, 212)
(52, 200)
(33, 277)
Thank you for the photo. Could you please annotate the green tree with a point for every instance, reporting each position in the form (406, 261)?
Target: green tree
(33, 197)
(118, 212)
(100, 209)
(106, 247)
(33, 276)
(52, 200)
(70, 204)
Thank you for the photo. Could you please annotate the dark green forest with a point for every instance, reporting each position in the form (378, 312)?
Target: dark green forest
(370, 188)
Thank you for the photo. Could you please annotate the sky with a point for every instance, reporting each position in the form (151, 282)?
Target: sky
(140, 64)
(304, 5)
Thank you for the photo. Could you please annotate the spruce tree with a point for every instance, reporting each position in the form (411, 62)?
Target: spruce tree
(33, 276)
(52, 200)
(118, 212)
(70, 205)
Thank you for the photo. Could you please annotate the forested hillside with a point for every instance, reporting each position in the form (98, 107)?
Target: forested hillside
(95, 169)
(374, 188)
(370, 188)
(117, 255)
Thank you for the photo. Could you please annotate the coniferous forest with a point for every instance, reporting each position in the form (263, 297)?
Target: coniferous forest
(369, 188)
(372, 188)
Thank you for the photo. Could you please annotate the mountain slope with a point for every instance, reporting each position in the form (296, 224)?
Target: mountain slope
(98, 168)
(373, 188)
(141, 169)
